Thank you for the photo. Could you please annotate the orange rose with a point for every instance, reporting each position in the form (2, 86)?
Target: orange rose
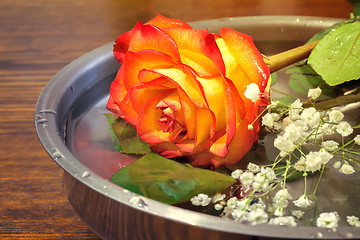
(184, 90)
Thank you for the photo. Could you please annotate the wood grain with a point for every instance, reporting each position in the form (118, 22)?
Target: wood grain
(37, 39)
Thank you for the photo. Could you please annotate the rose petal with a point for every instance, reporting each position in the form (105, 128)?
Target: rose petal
(205, 121)
(117, 88)
(239, 146)
(247, 55)
(128, 110)
(215, 94)
(148, 127)
(189, 112)
(198, 50)
(184, 79)
(114, 108)
(244, 63)
(145, 37)
(164, 22)
(142, 92)
(135, 62)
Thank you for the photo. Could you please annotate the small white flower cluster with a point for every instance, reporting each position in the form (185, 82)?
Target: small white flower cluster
(252, 92)
(353, 221)
(201, 200)
(259, 179)
(298, 126)
(253, 197)
(253, 208)
(328, 220)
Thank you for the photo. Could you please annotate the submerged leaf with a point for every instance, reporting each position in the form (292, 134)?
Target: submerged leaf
(168, 181)
(303, 78)
(125, 137)
(337, 56)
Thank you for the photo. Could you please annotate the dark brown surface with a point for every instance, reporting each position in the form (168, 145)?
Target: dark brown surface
(37, 39)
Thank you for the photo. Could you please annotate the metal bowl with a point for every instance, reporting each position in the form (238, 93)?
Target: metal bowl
(70, 123)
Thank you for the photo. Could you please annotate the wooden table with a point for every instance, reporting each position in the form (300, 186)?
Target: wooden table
(37, 39)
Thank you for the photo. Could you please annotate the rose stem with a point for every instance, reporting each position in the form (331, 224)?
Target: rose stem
(284, 59)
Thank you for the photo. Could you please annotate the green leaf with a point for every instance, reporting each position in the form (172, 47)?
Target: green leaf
(324, 32)
(168, 181)
(125, 137)
(122, 178)
(357, 8)
(303, 78)
(337, 56)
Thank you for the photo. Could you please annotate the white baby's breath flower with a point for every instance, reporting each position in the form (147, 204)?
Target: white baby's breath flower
(344, 129)
(218, 197)
(254, 168)
(201, 200)
(311, 116)
(330, 145)
(237, 173)
(284, 144)
(336, 116)
(298, 214)
(252, 92)
(295, 109)
(257, 216)
(313, 161)
(296, 106)
(303, 202)
(328, 220)
(218, 206)
(281, 198)
(283, 221)
(279, 212)
(347, 169)
(337, 164)
(314, 93)
(269, 119)
(327, 129)
(357, 139)
(300, 164)
(257, 205)
(295, 131)
(325, 156)
(269, 173)
(232, 202)
(353, 221)
(247, 179)
(286, 121)
(243, 203)
(239, 214)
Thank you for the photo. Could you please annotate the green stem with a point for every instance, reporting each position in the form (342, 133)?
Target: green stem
(318, 182)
